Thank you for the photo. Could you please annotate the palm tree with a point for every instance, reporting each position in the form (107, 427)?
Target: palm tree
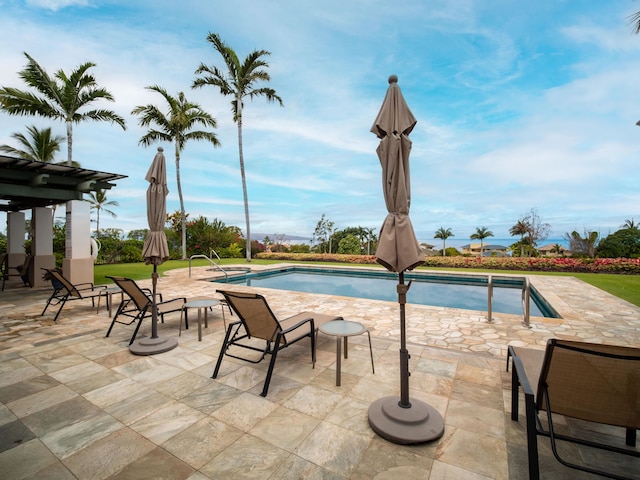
(521, 228)
(61, 97)
(630, 225)
(38, 145)
(239, 81)
(635, 19)
(481, 234)
(176, 126)
(98, 201)
(444, 233)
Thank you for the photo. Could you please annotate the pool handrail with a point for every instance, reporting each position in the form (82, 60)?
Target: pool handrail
(213, 264)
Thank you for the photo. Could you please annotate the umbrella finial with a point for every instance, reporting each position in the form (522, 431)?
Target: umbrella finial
(393, 79)
(160, 149)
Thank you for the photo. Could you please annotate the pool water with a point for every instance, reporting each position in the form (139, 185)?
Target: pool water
(465, 292)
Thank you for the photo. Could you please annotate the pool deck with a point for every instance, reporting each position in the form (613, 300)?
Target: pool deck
(75, 404)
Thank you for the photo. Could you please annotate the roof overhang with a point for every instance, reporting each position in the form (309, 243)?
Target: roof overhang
(26, 184)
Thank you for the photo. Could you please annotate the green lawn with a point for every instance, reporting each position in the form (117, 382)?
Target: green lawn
(626, 287)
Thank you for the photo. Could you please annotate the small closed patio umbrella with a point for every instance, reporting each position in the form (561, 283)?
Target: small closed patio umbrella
(399, 419)
(155, 251)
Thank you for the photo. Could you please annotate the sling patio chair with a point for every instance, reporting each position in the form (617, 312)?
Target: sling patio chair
(21, 271)
(586, 382)
(139, 305)
(257, 321)
(64, 290)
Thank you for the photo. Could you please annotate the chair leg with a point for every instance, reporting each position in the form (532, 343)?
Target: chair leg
(532, 438)
(62, 302)
(222, 350)
(514, 394)
(272, 363)
(135, 332)
(113, 322)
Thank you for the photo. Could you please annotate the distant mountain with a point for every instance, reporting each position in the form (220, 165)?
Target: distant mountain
(280, 236)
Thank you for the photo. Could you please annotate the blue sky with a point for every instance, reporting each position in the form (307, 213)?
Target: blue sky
(520, 105)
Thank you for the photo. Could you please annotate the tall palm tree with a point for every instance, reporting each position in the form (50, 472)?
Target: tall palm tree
(521, 228)
(239, 81)
(481, 234)
(99, 202)
(444, 233)
(176, 126)
(630, 225)
(61, 97)
(635, 19)
(38, 145)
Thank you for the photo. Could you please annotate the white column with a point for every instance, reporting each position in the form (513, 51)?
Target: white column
(15, 238)
(77, 265)
(41, 244)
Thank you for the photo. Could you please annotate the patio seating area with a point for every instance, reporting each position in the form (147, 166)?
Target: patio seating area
(75, 404)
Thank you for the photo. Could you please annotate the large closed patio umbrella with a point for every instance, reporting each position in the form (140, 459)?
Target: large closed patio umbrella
(155, 251)
(399, 419)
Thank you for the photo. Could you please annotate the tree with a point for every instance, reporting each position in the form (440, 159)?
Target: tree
(635, 19)
(444, 233)
(350, 245)
(521, 228)
(625, 243)
(481, 234)
(239, 81)
(537, 231)
(630, 225)
(38, 145)
(61, 97)
(99, 202)
(582, 246)
(176, 127)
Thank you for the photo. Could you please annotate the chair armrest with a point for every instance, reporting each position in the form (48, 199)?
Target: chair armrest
(299, 324)
(522, 375)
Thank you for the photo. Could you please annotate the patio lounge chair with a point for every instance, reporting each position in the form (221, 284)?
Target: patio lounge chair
(257, 321)
(64, 290)
(577, 380)
(22, 271)
(139, 303)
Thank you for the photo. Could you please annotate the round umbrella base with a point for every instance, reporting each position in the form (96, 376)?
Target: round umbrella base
(416, 424)
(151, 346)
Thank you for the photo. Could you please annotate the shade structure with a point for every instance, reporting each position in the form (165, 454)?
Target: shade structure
(399, 419)
(155, 251)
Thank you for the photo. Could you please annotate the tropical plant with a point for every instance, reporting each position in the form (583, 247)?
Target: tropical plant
(176, 127)
(239, 81)
(481, 234)
(630, 225)
(350, 245)
(443, 233)
(521, 228)
(625, 243)
(99, 202)
(582, 246)
(635, 20)
(60, 97)
(38, 145)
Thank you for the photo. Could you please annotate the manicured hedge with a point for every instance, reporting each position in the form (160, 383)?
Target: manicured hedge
(545, 264)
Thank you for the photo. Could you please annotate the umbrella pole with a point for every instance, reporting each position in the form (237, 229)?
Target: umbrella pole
(404, 353)
(155, 343)
(154, 306)
(398, 419)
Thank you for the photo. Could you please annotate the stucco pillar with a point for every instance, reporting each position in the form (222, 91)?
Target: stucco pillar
(41, 244)
(15, 239)
(77, 265)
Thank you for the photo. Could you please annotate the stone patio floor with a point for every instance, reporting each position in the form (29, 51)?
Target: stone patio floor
(75, 404)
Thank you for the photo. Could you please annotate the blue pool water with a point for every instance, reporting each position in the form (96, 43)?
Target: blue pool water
(456, 291)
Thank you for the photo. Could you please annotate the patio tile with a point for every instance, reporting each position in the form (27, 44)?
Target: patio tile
(155, 464)
(284, 428)
(13, 434)
(248, 458)
(26, 460)
(137, 406)
(245, 411)
(108, 455)
(41, 400)
(313, 401)
(382, 457)
(202, 441)
(27, 387)
(166, 422)
(295, 468)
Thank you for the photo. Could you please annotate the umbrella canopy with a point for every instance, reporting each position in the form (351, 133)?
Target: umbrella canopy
(398, 249)
(155, 250)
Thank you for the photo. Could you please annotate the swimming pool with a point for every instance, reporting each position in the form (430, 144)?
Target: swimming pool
(467, 292)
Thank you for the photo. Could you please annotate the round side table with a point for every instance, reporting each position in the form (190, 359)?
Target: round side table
(343, 329)
(200, 305)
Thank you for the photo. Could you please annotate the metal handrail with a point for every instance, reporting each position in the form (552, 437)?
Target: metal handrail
(489, 298)
(526, 298)
(213, 264)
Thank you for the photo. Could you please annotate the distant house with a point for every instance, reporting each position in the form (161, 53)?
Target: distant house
(487, 250)
(550, 251)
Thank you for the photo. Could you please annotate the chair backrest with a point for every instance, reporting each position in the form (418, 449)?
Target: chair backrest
(131, 288)
(66, 284)
(254, 312)
(4, 263)
(592, 382)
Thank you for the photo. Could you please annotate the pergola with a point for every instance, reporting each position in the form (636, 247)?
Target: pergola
(31, 185)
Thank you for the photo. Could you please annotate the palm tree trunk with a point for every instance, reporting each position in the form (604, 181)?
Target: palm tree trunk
(183, 219)
(244, 186)
(69, 143)
(98, 223)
